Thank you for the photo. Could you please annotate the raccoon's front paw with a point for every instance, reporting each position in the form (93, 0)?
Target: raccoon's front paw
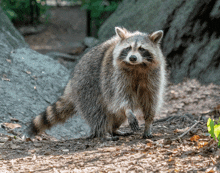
(110, 138)
(133, 122)
(120, 133)
(147, 136)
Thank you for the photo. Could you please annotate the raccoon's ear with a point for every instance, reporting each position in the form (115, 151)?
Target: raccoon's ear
(121, 32)
(156, 36)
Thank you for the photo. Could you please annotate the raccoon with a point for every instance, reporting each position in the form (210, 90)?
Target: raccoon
(112, 81)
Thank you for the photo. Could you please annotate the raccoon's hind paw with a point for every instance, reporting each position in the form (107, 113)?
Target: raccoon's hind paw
(120, 133)
(147, 136)
(27, 134)
(133, 122)
(110, 138)
(26, 137)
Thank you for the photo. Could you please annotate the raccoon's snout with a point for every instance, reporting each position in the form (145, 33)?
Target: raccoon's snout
(133, 58)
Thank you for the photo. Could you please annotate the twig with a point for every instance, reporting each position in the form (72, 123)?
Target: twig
(187, 117)
(189, 129)
(213, 160)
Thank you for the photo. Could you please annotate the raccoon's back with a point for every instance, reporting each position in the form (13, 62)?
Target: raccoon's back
(86, 84)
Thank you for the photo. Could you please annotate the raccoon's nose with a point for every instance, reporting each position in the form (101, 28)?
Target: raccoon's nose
(133, 58)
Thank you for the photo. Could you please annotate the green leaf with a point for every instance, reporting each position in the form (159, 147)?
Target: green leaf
(217, 131)
(210, 125)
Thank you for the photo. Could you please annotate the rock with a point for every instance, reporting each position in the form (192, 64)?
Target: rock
(72, 48)
(68, 61)
(29, 82)
(90, 41)
(191, 40)
(28, 30)
(57, 55)
(65, 32)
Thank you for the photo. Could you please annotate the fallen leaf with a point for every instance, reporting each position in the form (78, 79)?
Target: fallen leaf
(170, 159)
(14, 119)
(8, 60)
(13, 146)
(202, 144)
(149, 144)
(6, 79)
(213, 160)
(65, 150)
(12, 126)
(195, 138)
(176, 131)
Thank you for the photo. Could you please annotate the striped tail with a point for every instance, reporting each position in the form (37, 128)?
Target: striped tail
(56, 113)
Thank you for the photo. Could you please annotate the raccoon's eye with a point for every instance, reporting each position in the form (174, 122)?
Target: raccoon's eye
(141, 49)
(145, 53)
(125, 51)
(128, 49)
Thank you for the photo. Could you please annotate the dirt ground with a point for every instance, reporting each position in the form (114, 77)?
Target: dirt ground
(180, 143)
(186, 109)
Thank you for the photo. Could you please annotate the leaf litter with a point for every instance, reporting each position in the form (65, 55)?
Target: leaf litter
(181, 142)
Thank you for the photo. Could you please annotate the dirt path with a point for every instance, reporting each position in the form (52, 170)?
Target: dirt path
(65, 31)
(187, 104)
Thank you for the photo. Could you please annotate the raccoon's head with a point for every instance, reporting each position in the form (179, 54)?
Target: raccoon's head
(137, 49)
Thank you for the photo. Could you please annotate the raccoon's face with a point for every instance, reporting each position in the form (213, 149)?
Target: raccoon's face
(137, 48)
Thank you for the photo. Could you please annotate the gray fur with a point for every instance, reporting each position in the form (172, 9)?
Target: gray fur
(107, 89)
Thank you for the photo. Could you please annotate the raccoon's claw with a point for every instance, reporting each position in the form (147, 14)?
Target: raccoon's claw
(110, 138)
(120, 133)
(27, 135)
(133, 122)
(147, 136)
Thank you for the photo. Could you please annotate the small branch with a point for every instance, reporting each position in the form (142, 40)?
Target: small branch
(188, 118)
(189, 129)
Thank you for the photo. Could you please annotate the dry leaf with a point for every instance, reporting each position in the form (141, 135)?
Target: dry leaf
(6, 79)
(65, 150)
(195, 138)
(170, 159)
(8, 60)
(13, 146)
(202, 144)
(176, 170)
(149, 144)
(176, 131)
(213, 160)
(14, 119)
(12, 126)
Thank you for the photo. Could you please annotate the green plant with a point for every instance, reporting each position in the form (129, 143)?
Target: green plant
(214, 129)
(99, 10)
(25, 11)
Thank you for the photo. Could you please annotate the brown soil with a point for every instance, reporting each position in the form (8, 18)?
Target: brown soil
(187, 104)
(65, 30)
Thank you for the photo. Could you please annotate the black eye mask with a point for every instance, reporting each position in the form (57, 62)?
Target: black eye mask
(124, 52)
(145, 54)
